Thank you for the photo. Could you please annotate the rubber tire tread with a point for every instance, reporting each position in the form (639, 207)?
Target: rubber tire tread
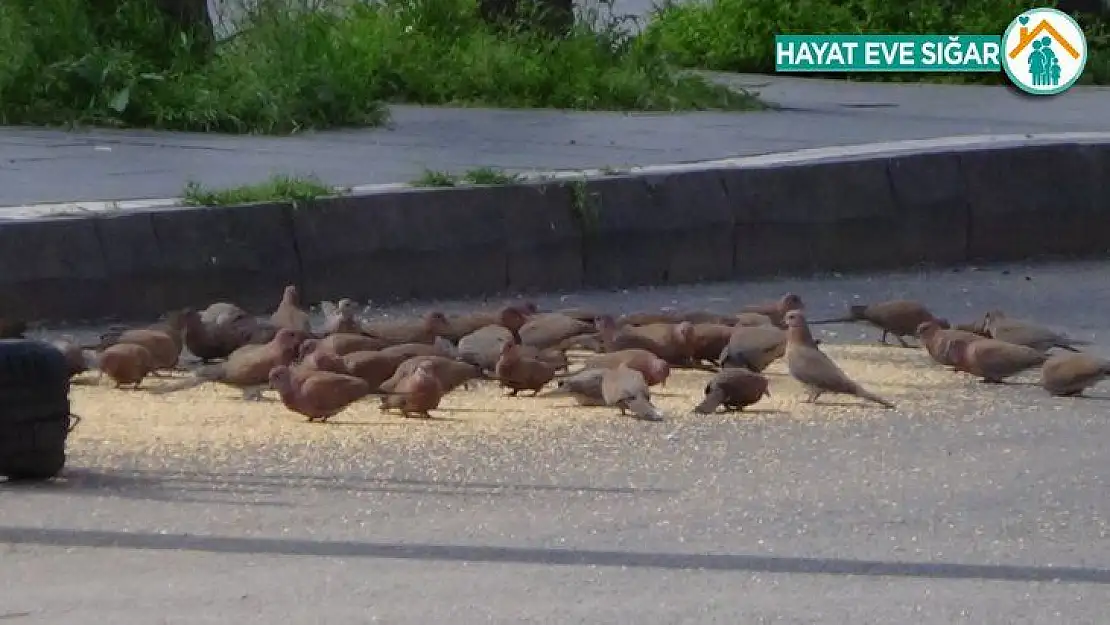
(34, 410)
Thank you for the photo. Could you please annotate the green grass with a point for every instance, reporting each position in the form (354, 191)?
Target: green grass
(738, 35)
(481, 175)
(276, 189)
(68, 62)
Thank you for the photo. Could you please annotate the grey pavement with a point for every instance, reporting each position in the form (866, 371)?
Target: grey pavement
(987, 506)
(38, 165)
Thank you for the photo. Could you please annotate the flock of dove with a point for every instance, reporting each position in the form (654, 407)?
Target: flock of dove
(410, 365)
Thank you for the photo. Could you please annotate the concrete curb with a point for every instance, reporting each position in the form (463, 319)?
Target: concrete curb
(862, 207)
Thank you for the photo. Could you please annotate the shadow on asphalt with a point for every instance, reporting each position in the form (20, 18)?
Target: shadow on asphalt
(559, 557)
(252, 489)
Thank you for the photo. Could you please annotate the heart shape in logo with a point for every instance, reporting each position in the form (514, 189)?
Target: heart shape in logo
(1024, 19)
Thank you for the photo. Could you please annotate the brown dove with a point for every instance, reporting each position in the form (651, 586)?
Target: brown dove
(374, 367)
(340, 317)
(709, 340)
(775, 311)
(626, 389)
(342, 344)
(322, 361)
(161, 346)
(319, 395)
(423, 330)
(937, 339)
(1068, 375)
(450, 372)
(217, 339)
(512, 317)
(899, 317)
(671, 342)
(753, 347)
(654, 369)
(247, 368)
(584, 386)
(814, 369)
(289, 313)
(691, 316)
(439, 347)
(548, 330)
(752, 319)
(417, 393)
(518, 372)
(482, 348)
(735, 389)
(993, 360)
(1040, 338)
(586, 315)
(123, 363)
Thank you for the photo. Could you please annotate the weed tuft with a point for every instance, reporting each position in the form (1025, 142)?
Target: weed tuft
(276, 189)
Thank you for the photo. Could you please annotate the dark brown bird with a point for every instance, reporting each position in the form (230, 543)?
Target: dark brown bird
(549, 330)
(289, 313)
(12, 328)
(451, 373)
(319, 395)
(517, 372)
(1040, 338)
(247, 368)
(340, 317)
(814, 369)
(753, 347)
(626, 389)
(423, 330)
(993, 360)
(417, 393)
(775, 311)
(735, 389)
(227, 332)
(123, 363)
(671, 342)
(899, 317)
(654, 369)
(1068, 375)
(937, 340)
(584, 386)
(342, 344)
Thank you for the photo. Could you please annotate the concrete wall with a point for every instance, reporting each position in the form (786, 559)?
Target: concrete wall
(670, 225)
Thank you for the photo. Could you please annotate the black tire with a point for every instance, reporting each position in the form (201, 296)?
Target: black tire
(34, 410)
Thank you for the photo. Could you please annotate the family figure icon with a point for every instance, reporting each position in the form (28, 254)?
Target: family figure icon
(1044, 67)
(1045, 51)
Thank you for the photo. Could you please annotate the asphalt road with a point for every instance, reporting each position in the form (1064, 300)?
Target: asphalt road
(39, 165)
(986, 511)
